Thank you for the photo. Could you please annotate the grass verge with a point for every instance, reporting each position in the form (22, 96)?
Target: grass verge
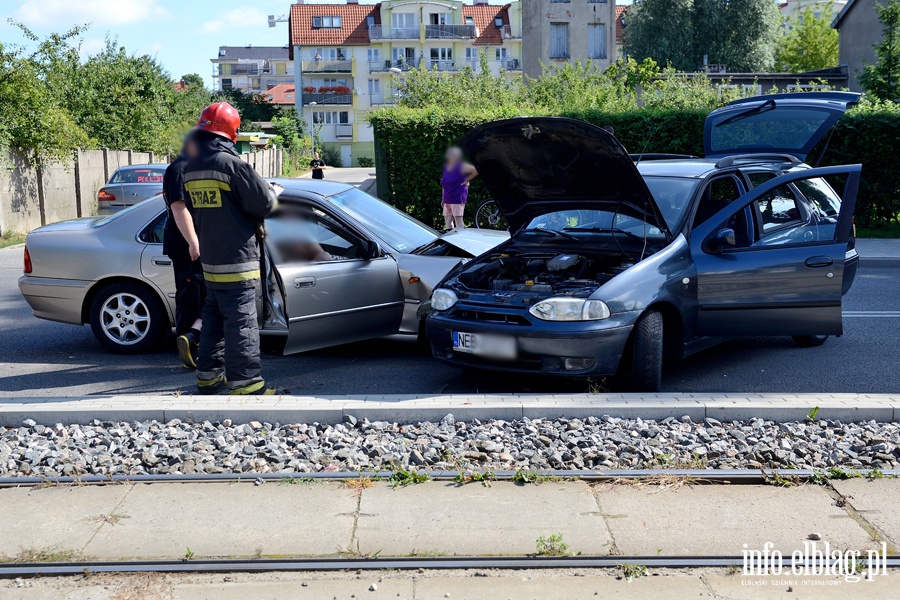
(11, 238)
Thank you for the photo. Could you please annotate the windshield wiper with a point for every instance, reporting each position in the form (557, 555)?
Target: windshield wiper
(764, 107)
(554, 233)
(633, 236)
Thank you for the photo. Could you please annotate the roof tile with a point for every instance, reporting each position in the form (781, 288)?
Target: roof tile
(483, 16)
(353, 31)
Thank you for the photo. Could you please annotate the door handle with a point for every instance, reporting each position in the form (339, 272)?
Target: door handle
(302, 282)
(819, 261)
(161, 261)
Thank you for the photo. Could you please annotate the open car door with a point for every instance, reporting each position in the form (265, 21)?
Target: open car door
(774, 261)
(339, 286)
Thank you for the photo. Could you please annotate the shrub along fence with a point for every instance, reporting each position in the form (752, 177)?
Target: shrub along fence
(410, 145)
(34, 195)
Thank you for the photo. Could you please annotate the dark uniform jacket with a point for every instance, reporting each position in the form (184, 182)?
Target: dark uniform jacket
(174, 243)
(228, 199)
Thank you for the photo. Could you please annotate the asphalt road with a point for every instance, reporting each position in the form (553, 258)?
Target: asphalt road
(40, 358)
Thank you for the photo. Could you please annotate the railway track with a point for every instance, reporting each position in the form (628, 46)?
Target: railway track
(700, 475)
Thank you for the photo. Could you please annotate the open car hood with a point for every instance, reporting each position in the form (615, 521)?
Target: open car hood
(776, 124)
(533, 166)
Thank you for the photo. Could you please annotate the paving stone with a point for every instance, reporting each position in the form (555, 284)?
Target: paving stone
(876, 502)
(718, 520)
(60, 518)
(163, 520)
(473, 519)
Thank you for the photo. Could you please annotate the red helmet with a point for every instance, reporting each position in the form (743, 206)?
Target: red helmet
(222, 119)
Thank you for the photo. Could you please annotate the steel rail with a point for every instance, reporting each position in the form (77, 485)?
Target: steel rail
(702, 475)
(375, 564)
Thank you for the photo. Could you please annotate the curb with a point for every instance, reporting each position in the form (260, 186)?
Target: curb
(411, 409)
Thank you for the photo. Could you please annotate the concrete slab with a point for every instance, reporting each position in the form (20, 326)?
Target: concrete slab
(317, 589)
(876, 502)
(58, 518)
(475, 520)
(163, 520)
(739, 587)
(719, 520)
(526, 586)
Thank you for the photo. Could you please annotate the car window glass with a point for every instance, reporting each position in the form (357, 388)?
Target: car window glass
(155, 231)
(673, 196)
(778, 208)
(395, 228)
(821, 199)
(760, 177)
(307, 236)
(718, 194)
(589, 221)
(141, 175)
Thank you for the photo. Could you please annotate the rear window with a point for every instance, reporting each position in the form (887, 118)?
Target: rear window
(143, 175)
(784, 129)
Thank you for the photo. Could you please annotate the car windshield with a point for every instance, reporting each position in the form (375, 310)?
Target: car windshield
(397, 229)
(139, 175)
(672, 195)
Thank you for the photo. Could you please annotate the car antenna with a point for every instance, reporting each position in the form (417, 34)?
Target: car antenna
(825, 148)
(647, 144)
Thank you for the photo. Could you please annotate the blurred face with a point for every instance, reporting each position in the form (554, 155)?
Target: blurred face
(453, 156)
(316, 155)
(190, 147)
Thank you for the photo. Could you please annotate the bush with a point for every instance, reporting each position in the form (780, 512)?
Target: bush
(332, 156)
(365, 161)
(414, 141)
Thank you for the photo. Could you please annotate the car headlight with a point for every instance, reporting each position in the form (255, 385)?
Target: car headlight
(443, 299)
(570, 309)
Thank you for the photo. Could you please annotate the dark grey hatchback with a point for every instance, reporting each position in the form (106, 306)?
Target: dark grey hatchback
(613, 265)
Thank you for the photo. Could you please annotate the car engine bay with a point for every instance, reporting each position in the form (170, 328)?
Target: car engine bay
(543, 274)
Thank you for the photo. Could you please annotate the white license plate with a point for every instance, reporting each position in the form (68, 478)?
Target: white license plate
(489, 346)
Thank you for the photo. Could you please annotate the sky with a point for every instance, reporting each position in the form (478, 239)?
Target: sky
(182, 34)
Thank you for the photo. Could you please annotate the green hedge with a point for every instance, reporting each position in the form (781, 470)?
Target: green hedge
(413, 141)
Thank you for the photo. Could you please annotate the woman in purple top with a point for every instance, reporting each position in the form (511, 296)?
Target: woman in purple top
(455, 186)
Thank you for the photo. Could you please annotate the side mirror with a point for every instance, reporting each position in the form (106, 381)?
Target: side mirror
(371, 250)
(722, 239)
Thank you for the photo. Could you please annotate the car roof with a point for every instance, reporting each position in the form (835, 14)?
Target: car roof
(321, 187)
(148, 166)
(680, 167)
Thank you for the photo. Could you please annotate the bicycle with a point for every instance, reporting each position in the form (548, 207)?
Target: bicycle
(488, 216)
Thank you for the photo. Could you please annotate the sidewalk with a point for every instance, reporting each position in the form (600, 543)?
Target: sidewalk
(883, 408)
(878, 252)
(305, 518)
(361, 177)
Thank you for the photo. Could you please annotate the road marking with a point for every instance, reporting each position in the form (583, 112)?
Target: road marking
(872, 314)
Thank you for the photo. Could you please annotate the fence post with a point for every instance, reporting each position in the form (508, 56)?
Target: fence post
(39, 169)
(129, 157)
(152, 156)
(77, 185)
(105, 164)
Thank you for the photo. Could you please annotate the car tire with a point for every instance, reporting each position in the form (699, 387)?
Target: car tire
(647, 352)
(422, 338)
(128, 318)
(809, 341)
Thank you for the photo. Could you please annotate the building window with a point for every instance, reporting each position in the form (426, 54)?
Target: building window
(226, 84)
(374, 55)
(501, 53)
(470, 21)
(557, 1)
(596, 1)
(331, 117)
(329, 22)
(559, 40)
(596, 41)
(439, 18)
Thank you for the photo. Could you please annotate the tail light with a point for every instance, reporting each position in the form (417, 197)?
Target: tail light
(27, 261)
(104, 196)
(852, 243)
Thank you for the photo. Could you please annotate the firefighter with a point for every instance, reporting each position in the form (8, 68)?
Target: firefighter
(228, 201)
(181, 246)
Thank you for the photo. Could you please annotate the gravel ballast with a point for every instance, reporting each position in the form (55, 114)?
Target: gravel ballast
(110, 448)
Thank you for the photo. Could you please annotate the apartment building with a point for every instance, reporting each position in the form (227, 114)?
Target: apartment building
(827, 8)
(556, 32)
(345, 56)
(252, 68)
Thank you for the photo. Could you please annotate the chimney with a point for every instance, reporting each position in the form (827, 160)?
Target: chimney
(352, 1)
(477, 2)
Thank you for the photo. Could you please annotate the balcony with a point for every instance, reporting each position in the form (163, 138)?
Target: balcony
(379, 32)
(511, 64)
(343, 132)
(327, 99)
(381, 99)
(326, 66)
(506, 32)
(442, 65)
(450, 32)
(236, 69)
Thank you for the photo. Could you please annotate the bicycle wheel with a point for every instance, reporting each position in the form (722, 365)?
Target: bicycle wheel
(488, 216)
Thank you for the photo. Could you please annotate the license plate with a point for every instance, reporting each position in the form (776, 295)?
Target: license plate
(489, 346)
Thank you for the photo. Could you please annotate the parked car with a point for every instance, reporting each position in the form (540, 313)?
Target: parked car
(612, 266)
(343, 266)
(128, 186)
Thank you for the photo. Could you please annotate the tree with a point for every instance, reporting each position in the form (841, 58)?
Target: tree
(193, 80)
(882, 79)
(810, 43)
(252, 107)
(680, 33)
(662, 30)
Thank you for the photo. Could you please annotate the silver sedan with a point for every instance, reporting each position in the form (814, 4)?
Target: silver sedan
(130, 185)
(341, 266)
